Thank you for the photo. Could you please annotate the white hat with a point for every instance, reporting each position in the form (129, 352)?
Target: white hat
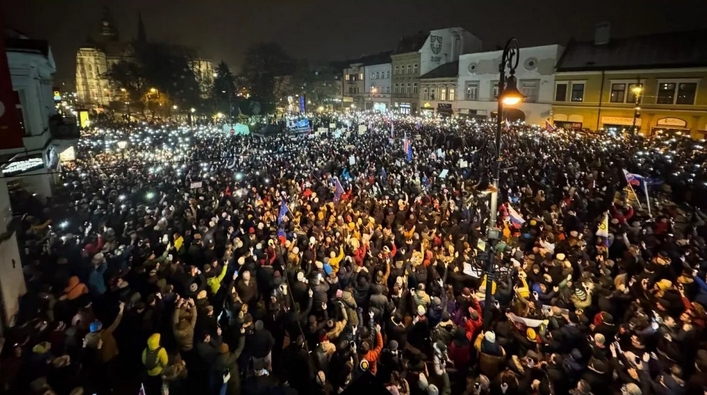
(490, 337)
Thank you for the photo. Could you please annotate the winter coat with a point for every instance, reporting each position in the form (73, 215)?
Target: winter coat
(184, 334)
(95, 280)
(110, 346)
(260, 343)
(350, 306)
(155, 355)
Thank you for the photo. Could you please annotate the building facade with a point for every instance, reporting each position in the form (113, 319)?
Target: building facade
(478, 84)
(596, 84)
(419, 55)
(354, 86)
(438, 90)
(377, 86)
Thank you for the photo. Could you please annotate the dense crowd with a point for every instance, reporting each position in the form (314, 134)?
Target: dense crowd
(195, 261)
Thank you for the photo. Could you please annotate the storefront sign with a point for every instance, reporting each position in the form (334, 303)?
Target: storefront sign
(196, 184)
(444, 106)
(672, 122)
(23, 166)
(620, 121)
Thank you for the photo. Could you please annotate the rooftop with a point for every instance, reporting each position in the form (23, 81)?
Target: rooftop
(447, 70)
(663, 50)
(411, 43)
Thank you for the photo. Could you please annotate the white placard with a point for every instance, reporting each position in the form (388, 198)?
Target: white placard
(352, 160)
(196, 184)
(362, 129)
(443, 174)
(332, 125)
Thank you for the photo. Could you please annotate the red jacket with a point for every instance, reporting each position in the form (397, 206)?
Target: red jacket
(373, 355)
(472, 326)
(360, 254)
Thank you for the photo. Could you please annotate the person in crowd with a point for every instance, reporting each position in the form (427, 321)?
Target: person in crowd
(303, 264)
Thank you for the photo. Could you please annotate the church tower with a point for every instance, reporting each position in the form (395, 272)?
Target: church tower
(107, 31)
(141, 33)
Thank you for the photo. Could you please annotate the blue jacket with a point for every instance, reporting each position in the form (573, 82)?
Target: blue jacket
(701, 297)
(95, 280)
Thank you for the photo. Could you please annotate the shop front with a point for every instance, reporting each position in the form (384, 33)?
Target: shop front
(445, 109)
(619, 124)
(31, 174)
(403, 107)
(672, 126)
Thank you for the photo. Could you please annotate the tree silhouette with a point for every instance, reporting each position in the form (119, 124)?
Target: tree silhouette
(263, 62)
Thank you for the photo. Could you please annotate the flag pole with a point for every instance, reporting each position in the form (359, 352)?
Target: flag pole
(648, 199)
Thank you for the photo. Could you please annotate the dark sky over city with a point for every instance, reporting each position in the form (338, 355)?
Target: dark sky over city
(337, 29)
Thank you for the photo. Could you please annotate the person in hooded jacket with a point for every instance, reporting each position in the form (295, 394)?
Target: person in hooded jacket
(155, 359)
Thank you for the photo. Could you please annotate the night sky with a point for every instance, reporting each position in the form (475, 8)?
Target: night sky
(337, 29)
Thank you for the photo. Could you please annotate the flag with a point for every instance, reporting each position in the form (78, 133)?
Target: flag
(384, 175)
(425, 181)
(392, 130)
(346, 175)
(142, 390)
(603, 230)
(283, 211)
(516, 217)
(633, 180)
(407, 148)
(338, 191)
(549, 127)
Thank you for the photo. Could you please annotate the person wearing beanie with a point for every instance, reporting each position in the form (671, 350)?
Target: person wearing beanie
(487, 344)
(260, 344)
(107, 346)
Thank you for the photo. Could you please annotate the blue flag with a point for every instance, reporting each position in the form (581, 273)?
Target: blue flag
(346, 175)
(283, 211)
(407, 148)
(384, 175)
(338, 191)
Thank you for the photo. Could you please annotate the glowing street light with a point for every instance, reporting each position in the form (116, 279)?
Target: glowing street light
(193, 110)
(174, 107)
(219, 115)
(153, 90)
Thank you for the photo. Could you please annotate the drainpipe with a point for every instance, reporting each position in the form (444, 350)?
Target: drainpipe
(601, 96)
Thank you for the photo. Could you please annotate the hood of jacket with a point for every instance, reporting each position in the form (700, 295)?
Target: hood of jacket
(153, 342)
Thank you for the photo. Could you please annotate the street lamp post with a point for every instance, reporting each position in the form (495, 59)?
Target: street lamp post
(509, 95)
(637, 90)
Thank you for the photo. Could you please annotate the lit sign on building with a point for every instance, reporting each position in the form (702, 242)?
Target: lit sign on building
(23, 166)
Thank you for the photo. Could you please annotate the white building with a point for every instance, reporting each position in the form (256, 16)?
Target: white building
(29, 167)
(478, 84)
(445, 46)
(377, 86)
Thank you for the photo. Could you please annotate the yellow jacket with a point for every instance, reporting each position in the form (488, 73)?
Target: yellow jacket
(160, 361)
(334, 262)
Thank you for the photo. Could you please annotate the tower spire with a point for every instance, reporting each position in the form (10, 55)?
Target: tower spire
(141, 33)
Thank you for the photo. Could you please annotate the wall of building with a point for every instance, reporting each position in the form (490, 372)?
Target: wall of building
(598, 110)
(354, 86)
(32, 78)
(444, 46)
(438, 95)
(405, 80)
(12, 281)
(479, 75)
(378, 86)
(91, 88)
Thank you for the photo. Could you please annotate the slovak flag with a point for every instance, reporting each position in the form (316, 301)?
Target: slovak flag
(338, 190)
(549, 127)
(634, 180)
(515, 217)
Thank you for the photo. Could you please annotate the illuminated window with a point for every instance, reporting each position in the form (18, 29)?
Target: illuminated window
(443, 94)
(451, 94)
(618, 91)
(348, 77)
(666, 93)
(360, 76)
(432, 93)
(577, 94)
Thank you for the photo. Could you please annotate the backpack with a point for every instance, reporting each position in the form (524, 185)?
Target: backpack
(152, 358)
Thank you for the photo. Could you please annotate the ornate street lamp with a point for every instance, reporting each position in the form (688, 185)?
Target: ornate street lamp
(508, 95)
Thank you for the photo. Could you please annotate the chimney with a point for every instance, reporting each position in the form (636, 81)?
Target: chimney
(602, 34)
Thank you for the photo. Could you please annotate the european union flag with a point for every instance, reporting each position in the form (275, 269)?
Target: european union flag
(339, 190)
